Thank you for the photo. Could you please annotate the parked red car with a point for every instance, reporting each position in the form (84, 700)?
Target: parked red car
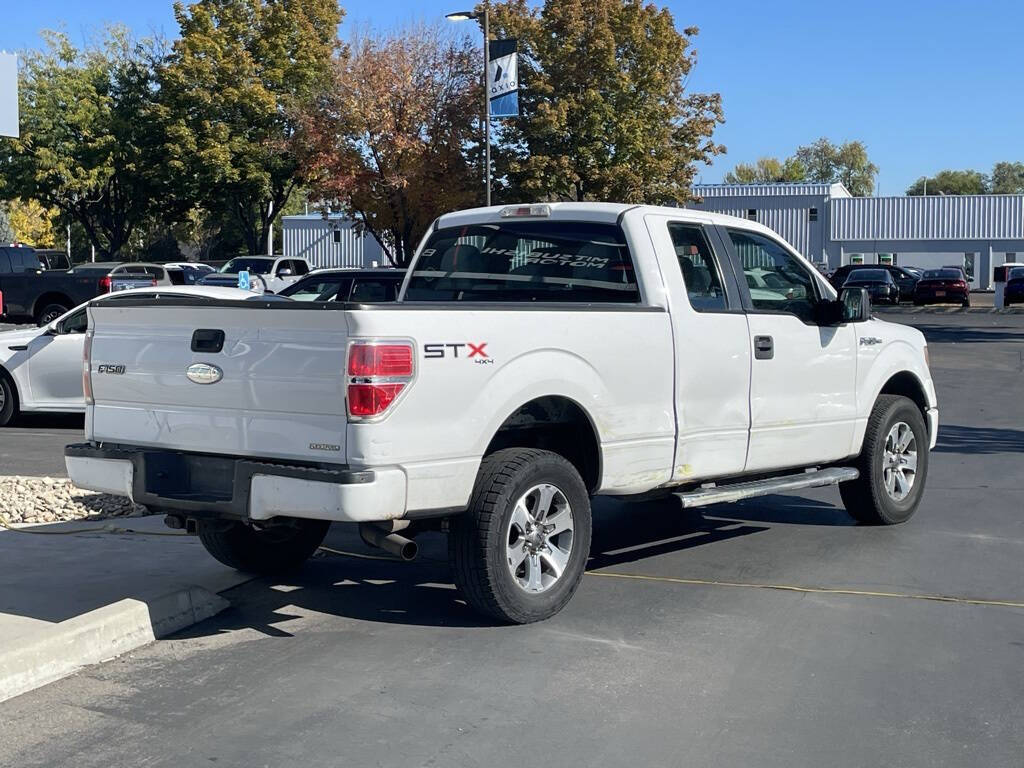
(943, 286)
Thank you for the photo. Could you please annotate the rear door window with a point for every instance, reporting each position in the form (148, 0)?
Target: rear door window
(701, 272)
(525, 261)
(370, 290)
(323, 289)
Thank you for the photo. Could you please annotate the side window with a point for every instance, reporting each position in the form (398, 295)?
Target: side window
(702, 274)
(5, 262)
(778, 282)
(299, 267)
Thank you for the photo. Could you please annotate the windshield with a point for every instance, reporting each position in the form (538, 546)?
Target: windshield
(944, 274)
(525, 261)
(248, 264)
(867, 274)
(1016, 273)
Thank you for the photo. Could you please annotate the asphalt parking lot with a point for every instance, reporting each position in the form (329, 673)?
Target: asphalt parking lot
(771, 633)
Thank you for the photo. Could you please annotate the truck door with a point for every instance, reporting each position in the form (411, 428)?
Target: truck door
(803, 376)
(711, 348)
(13, 282)
(55, 363)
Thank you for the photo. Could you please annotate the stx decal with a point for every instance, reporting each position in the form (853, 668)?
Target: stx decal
(457, 349)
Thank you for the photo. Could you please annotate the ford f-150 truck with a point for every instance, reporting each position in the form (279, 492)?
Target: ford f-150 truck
(538, 355)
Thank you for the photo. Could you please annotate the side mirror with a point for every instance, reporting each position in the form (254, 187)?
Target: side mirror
(284, 272)
(852, 306)
(856, 305)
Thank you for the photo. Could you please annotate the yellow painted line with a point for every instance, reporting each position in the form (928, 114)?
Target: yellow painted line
(813, 590)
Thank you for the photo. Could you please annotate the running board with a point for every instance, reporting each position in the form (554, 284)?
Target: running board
(723, 494)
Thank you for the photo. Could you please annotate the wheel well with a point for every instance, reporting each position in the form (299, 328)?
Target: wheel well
(556, 424)
(51, 298)
(9, 378)
(908, 385)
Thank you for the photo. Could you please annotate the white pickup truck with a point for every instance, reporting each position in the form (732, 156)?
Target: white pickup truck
(538, 355)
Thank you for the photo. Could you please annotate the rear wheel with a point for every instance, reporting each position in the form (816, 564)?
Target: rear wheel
(518, 553)
(966, 302)
(263, 551)
(49, 313)
(893, 464)
(8, 400)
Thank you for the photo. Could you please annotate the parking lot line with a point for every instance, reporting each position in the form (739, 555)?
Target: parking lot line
(815, 590)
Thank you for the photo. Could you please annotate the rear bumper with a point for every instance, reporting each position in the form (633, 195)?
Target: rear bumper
(237, 488)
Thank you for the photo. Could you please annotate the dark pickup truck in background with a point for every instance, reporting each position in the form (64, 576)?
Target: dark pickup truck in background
(30, 291)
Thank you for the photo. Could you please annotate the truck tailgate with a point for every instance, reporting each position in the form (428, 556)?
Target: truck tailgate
(280, 392)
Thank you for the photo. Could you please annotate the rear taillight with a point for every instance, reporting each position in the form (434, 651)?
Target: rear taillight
(104, 284)
(86, 368)
(378, 372)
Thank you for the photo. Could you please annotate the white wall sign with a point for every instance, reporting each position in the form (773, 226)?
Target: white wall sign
(8, 95)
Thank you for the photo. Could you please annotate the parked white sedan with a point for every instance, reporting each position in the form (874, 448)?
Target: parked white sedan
(41, 368)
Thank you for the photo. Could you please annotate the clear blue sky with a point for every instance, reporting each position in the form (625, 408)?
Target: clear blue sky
(927, 85)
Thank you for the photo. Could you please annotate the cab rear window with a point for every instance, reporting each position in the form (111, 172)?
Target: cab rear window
(525, 261)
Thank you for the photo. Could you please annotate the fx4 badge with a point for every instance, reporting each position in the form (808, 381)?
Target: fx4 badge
(469, 350)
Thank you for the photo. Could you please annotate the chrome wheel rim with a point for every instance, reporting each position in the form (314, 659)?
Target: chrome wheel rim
(899, 461)
(539, 538)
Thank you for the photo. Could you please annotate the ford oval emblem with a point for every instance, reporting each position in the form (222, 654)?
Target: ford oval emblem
(204, 373)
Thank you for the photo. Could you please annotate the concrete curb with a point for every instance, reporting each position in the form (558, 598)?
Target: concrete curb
(38, 657)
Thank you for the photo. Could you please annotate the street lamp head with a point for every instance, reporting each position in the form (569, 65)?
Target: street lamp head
(461, 16)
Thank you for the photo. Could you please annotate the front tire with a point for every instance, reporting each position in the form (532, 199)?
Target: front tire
(519, 552)
(893, 464)
(8, 400)
(263, 551)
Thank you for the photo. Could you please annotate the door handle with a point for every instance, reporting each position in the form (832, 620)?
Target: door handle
(764, 348)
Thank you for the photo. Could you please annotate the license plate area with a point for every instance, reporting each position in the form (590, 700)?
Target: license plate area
(189, 477)
(940, 293)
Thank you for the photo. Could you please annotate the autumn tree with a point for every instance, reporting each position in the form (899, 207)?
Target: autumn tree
(90, 140)
(604, 111)
(32, 223)
(767, 170)
(390, 141)
(232, 90)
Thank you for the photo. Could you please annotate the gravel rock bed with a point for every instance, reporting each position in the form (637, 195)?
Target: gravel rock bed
(54, 499)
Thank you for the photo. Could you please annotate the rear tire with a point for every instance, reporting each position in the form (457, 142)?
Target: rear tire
(892, 476)
(271, 550)
(967, 302)
(519, 552)
(8, 400)
(49, 313)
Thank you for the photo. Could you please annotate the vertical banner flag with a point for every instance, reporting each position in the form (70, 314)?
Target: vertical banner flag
(8, 94)
(503, 79)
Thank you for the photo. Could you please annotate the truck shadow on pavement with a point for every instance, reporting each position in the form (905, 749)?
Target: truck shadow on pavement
(952, 334)
(421, 593)
(979, 440)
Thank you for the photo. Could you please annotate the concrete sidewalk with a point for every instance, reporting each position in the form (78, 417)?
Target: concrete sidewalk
(70, 598)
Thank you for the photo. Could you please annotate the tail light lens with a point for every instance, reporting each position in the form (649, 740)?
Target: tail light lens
(378, 372)
(86, 369)
(104, 284)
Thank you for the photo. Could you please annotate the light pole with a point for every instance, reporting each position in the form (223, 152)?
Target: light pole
(465, 16)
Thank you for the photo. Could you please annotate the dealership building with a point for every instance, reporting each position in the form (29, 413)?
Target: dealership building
(828, 225)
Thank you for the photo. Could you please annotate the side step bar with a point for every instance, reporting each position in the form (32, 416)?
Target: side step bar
(812, 478)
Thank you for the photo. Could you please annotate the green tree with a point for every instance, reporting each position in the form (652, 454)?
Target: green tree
(90, 139)
(604, 112)
(231, 91)
(767, 170)
(1007, 179)
(952, 183)
(848, 163)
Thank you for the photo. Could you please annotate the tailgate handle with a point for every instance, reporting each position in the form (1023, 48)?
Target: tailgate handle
(208, 340)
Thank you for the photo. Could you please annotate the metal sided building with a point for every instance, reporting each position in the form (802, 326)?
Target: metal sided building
(798, 212)
(826, 224)
(330, 242)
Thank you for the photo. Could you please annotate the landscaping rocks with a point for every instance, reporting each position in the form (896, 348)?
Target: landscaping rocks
(54, 499)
